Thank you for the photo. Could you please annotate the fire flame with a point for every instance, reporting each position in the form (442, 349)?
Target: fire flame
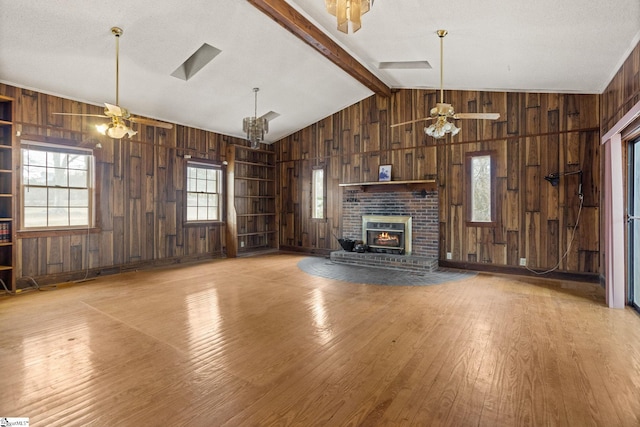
(387, 239)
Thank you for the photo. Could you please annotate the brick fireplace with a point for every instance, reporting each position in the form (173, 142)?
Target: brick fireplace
(422, 209)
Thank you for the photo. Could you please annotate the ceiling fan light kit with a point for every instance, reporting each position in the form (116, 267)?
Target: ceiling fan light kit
(443, 111)
(347, 11)
(255, 127)
(118, 127)
(441, 127)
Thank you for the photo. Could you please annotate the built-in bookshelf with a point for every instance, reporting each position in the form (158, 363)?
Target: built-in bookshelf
(251, 221)
(7, 229)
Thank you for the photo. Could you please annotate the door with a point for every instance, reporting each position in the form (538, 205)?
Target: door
(634, 223)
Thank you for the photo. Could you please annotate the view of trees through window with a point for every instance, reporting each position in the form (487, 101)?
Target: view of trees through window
(57, 187)
(318, 193)
(481, 188)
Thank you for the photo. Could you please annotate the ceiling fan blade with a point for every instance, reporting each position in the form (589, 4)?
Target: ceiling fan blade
(483, 116)
(113, 110)
(149, 122)
(412, 121)
(79, 114)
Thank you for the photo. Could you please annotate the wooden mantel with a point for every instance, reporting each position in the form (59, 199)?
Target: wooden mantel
(413, 185)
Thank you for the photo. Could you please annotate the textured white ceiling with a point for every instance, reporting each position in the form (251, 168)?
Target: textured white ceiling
(65, 47)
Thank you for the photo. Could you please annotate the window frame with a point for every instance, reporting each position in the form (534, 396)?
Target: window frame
(469, 188)
(59, 146)
(314, 170)
(206, 164)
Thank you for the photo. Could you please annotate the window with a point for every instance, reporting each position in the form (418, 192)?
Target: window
(204, 192)
(57, 186)
(480, 188)
(317, 194)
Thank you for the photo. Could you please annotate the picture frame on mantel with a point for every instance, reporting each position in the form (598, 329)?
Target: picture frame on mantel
(384, 173)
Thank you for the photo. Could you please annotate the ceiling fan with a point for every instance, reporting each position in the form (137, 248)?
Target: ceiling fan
(118, 127)
(442, 111)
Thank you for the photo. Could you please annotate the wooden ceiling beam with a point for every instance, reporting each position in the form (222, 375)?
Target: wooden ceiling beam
(281, 12)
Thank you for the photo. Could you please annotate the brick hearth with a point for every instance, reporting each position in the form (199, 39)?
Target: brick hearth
(395, 262)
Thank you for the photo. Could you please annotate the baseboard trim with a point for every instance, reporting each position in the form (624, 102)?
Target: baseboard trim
(310, 251)
(26, 282)
(521, 271)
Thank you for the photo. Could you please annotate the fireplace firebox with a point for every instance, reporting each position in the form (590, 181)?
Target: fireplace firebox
(387, 234)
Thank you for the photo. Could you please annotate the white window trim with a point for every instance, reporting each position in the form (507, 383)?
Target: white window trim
(49, 147)
(314, 194)
(469, 189)
(474, 210)
(220, 193)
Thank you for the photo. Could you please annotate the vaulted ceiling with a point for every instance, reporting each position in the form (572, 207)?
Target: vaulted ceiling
(66, 48)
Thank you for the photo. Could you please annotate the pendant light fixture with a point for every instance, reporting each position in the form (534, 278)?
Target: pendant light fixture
(255, 127)
(347, 11)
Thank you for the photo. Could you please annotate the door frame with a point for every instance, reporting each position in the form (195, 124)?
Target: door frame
(633, 175)
(614, 222)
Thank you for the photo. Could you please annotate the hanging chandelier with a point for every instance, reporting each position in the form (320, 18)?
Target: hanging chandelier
(348, 11)
(255, 127)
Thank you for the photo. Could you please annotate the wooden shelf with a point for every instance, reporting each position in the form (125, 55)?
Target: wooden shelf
(264, 165)
(253, 178)
(257, 214)
(256, 233)
(413, 185)
(7, 188)
(251, 199)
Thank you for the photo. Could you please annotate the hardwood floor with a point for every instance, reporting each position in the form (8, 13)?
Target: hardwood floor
(256, 341)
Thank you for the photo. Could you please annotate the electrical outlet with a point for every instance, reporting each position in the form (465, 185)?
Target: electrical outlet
(449, 256)
(242, 244)
(523, 262)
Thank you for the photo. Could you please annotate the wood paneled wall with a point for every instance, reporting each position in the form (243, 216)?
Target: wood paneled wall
(623, 92)
(537, 134)
(140, 194)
